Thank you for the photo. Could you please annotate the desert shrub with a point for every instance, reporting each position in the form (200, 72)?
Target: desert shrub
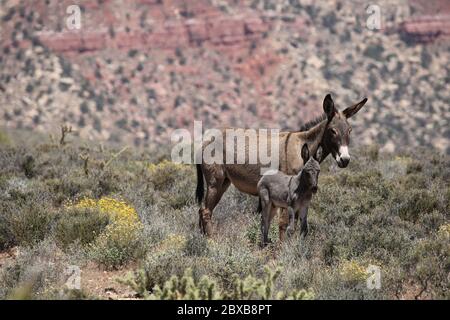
(6, 234)
(178, 195)
(414, 181)
(117, 245)
(429, 265)
(233, 259)
(431, 221)
(421, 272)
(36, 273)
(387, 210)
(171, 242)
(75, 185)
(414, 167)
(186, 287)
(79, 224)
(28, 166)
(121, 240)
(253, 231)
(70, 188)
(366, 179)
(165, 259)
(26, 214)
(166, 173)
(30, 224)
(117, 210)
(415, 203)
(196, 245)
(155, 270)
(352, 271)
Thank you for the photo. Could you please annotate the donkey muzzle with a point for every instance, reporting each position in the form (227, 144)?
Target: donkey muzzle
(343, 158)
(343, 162)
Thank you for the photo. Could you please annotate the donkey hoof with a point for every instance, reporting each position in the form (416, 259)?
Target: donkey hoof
(207, 229)
(265, 243)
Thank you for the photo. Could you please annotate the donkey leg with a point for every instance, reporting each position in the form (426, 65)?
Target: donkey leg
(304, 221)
(291, 227)
(213, 196)
(265, 216)
(265, 224)
(268, 214)
(283, 224)
(271, 211)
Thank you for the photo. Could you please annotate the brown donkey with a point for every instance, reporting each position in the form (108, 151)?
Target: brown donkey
(331, 131)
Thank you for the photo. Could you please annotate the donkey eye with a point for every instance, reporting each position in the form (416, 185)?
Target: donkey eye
(350, 130)
(333, 132)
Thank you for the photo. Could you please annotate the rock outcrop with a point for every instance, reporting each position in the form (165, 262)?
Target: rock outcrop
(137, 70)
(426, 29)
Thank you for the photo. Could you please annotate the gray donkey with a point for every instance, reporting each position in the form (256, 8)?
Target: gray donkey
(293, 192)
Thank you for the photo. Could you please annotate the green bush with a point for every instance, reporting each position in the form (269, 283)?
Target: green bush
(79, 224)
(36, 273)
(415, 204)
(6, 234)
(253, 232)
(117, 245)
(414, 167)
(31, 224)
(196, 245)
(156, 269)
(164, 174)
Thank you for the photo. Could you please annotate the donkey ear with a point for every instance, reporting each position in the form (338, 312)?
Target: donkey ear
(350, 111)
(305, 153)
(318, 155)
(328, 106)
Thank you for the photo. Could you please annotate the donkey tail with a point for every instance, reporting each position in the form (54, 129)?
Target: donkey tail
(259, 205)
(199, 193)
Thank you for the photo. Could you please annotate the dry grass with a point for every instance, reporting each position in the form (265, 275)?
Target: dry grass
(391, 211)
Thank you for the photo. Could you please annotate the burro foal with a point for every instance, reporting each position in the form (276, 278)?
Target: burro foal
(293, 192)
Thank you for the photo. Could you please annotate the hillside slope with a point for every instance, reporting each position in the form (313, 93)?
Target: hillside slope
(137, 70)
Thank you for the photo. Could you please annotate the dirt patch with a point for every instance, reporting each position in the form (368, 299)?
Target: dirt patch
(104, 285)
(8, 256)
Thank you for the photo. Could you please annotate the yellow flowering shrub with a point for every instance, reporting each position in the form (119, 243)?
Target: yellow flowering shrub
(120, 241)
(165, 165)
(351, 270)
(117, 210)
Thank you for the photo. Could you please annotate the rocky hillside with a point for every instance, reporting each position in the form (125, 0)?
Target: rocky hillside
(136, 70)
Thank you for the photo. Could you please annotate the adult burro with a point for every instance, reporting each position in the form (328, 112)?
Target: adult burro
(291, 192)
(331, 130)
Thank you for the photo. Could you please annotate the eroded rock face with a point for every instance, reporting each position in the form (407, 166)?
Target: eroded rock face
(426, 29)
(216, 31)
(137, 70)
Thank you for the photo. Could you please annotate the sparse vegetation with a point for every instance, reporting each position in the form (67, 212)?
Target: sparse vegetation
(138, 214)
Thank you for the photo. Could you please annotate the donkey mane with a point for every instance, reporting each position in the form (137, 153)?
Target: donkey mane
(312, 123)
